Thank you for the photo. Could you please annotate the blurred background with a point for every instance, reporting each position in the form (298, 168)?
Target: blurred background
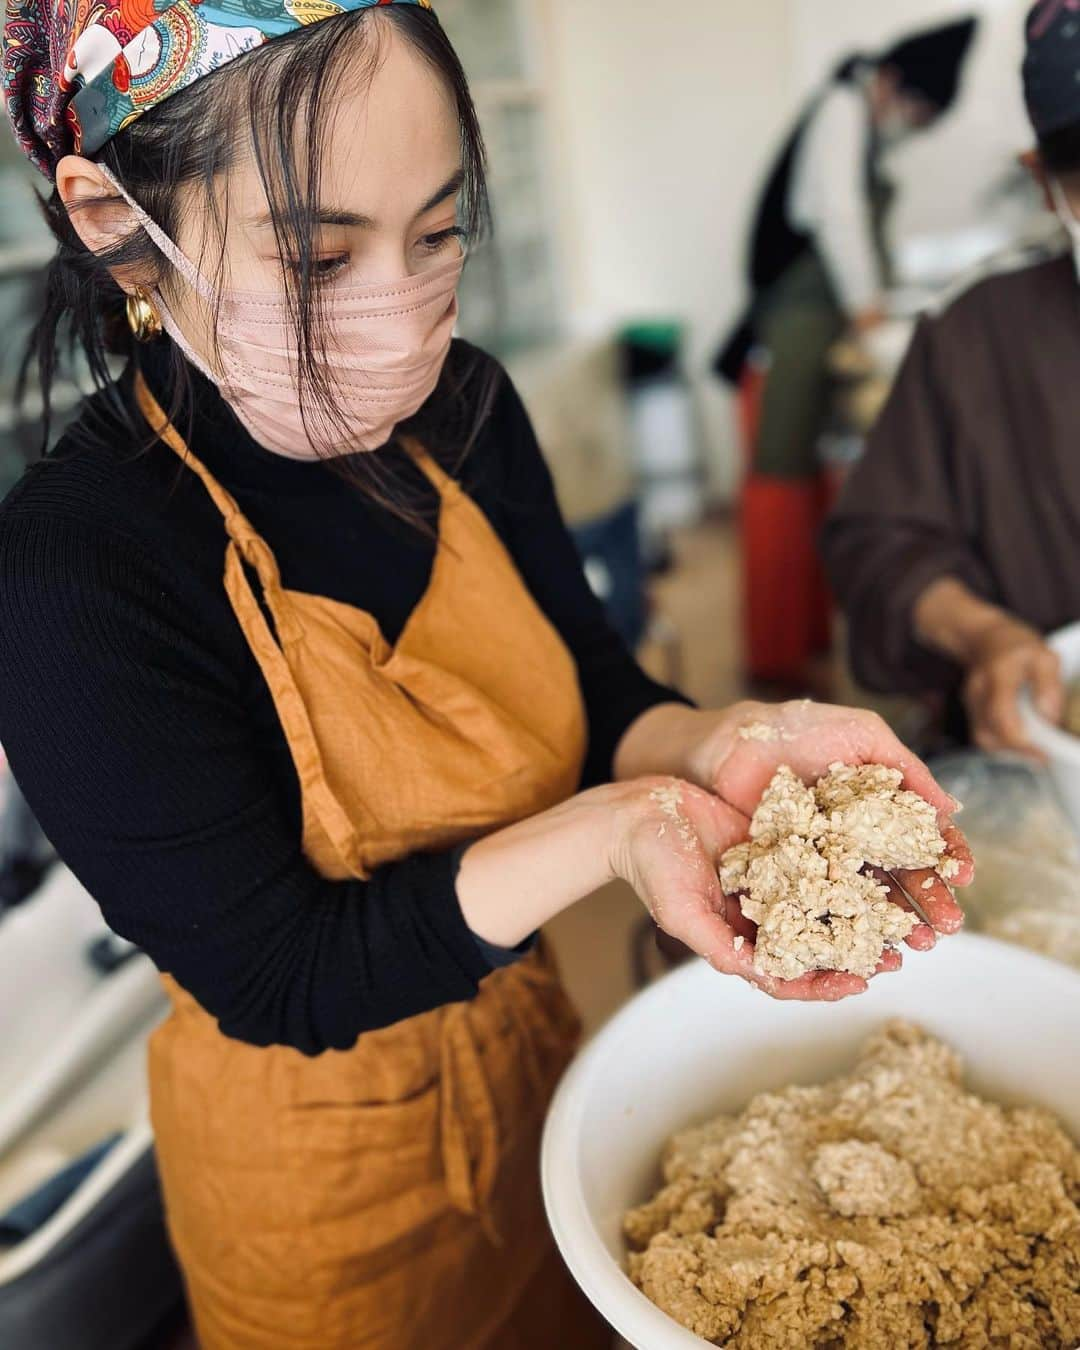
(627, 144)
(629, 141)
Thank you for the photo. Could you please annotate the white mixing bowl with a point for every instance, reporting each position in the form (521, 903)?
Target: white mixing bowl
(1061, 748)
(697, 1044)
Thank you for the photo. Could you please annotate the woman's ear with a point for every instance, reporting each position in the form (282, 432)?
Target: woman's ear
(100, 217)
(1033, 162)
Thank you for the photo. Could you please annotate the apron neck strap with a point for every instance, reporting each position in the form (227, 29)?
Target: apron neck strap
(437, 476)
(240, 529)
(246, 544)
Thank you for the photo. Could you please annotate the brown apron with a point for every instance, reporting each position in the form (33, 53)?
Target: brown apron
(386, 1197)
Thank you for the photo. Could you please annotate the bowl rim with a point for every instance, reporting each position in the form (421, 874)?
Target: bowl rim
(583, 1250)
(605, 1283)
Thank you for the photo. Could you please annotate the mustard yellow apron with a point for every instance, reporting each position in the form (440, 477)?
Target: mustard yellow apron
(386, 1197)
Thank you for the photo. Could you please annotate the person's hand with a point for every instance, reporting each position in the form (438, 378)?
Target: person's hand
(1002, 658)
(667, 844)
(999, 654)
(738, 751)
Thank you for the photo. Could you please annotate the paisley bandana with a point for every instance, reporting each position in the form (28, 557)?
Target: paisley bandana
(78, 71)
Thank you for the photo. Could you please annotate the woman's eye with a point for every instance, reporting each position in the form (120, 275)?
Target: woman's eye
(432, 243)
(321, 268)
(329, 267)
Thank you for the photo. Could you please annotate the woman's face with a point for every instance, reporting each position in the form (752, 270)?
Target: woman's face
(391, 176)
(390, 180)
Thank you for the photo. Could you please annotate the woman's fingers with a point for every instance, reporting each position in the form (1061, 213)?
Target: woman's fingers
(934, 896)
(935, 899)
(922, 937)
(820, 986)
(891, 961)
(958, 848)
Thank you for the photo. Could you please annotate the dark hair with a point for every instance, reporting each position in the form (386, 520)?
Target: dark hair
(1060, 150)
(282, 94)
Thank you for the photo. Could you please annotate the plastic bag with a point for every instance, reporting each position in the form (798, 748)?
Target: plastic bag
(1027, 855)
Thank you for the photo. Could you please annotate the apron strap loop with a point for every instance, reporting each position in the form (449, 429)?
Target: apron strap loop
(255, 552)
(246, 545)
(469, 1164)
(243, 536)
(527, 1037)
(315, 789)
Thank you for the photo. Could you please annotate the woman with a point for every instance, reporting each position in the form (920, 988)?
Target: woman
(954, 547)
(818, 267)
(333, 795)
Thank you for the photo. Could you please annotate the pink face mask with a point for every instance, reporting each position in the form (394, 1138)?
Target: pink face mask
(387, 347)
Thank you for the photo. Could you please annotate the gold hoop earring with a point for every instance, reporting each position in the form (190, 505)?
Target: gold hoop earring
(142, 316)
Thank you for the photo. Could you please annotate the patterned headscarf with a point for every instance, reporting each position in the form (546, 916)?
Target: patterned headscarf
(1052, 65)
(77, 71)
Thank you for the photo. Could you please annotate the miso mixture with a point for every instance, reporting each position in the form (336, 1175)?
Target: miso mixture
(888, 1208)
(804, 876)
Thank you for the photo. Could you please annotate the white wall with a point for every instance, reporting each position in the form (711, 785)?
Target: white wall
(664, 119)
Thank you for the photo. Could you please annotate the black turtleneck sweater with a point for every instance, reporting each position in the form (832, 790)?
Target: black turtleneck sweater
(145, 739)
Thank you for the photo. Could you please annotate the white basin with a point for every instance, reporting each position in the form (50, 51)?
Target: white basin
(697, 1044)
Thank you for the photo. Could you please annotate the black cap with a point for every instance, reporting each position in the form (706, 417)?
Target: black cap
(931, 63)
(1052, 66)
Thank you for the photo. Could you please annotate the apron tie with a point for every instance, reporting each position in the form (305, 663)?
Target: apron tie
(507, 994)
(467, 1106)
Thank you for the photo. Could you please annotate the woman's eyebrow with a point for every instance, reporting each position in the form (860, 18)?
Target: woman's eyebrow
(450, 188)
(323, 215)
(332, 215)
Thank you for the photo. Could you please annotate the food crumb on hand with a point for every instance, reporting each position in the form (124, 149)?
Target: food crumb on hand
(669, 799)
(738, 943)
(928, 884)
(762, 731)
